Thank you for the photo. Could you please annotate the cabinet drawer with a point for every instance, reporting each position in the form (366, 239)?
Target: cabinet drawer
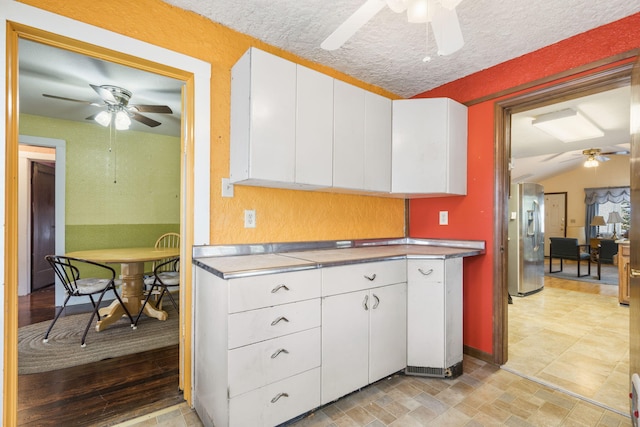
(355, 277)
(249, 293)
(257, 365)
(278, 402)
(258, 325)
(428, 270)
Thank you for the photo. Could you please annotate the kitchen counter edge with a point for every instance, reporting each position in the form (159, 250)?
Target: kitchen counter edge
(291, 256)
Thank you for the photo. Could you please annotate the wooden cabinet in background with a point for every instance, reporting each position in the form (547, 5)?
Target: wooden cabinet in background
(624, 252)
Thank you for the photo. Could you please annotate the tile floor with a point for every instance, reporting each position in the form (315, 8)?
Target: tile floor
(556, 336)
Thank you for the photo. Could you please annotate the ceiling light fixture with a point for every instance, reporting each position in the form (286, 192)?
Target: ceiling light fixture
(567, 125)
(119, 117)
(591, 162)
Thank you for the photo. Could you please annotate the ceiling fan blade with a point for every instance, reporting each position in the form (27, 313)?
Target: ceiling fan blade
(446, 30)
(145, 120)
(106, 95)
(602, 158)
(162, 109)
(72, 100)
(621, 153)
(353, 23)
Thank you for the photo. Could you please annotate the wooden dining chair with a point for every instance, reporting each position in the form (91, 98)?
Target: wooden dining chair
(68, 271)
(165, 276)
(167, 240)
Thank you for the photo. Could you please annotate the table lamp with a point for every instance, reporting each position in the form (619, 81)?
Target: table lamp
(597, 221)
(614, 218)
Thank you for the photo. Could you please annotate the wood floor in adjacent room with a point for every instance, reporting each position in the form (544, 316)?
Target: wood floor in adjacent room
(97, 394)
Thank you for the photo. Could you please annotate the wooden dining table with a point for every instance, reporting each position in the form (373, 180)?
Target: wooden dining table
(131, 262)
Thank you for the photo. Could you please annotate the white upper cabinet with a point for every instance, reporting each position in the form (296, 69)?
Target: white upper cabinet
(293, 127)
(429, 147)
(263, 120)
(377, 143)
(361, 139)
(348, 136)
(314, 128)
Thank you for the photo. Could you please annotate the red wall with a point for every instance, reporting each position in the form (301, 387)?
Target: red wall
(472, 216)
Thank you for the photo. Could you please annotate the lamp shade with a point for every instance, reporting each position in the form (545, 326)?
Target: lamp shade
(597, 221)
(614, 218)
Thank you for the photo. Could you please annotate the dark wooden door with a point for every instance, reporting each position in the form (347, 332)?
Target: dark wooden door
(43, 202)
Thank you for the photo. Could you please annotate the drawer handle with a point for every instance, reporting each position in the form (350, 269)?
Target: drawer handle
(634, 273)
(370, 278)
(365, 303)
(278, 396)
(377, 303)
(425, 273)
(278, 320)
(277, 352)
(277, 288)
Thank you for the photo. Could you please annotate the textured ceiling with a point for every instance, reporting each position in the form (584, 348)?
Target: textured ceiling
(388, 51)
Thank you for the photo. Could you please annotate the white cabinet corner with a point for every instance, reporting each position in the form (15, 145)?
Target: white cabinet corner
(429, 151)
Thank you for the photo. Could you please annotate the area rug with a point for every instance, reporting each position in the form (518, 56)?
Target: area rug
(608, 273)
(63, 349)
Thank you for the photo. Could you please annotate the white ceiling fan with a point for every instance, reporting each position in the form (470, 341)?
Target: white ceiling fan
(440, 13)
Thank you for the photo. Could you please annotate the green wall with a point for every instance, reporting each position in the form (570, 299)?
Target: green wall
(120, 192)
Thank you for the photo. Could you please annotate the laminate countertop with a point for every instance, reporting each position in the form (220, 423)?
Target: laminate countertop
(252, 264)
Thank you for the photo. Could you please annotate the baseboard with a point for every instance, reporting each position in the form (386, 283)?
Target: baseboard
(478, 354)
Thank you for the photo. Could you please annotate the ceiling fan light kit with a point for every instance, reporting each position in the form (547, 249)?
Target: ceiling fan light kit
(567, 125)
(118, 111)
(440, 13)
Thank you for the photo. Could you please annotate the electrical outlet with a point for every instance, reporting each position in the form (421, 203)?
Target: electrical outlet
(249, 218)
(444, 217)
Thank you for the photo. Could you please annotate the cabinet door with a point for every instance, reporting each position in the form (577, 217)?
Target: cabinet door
(425, 314)
(387, 331)
(348, 136)
(263, 112)
(345, 344)
(377, 143)
(429, 147)
(314, 128)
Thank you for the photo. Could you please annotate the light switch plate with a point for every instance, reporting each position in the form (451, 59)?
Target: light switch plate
(227, 188)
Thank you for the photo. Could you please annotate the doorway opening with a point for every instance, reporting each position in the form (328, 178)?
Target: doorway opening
(617, 76)
(156, 60)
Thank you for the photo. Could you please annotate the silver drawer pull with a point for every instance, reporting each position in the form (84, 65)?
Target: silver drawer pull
(365, 302)
(425, 273)
(278, 320)
(277, 288)
(377, 303)
(370, 278)
(278, 396)
(277, 352)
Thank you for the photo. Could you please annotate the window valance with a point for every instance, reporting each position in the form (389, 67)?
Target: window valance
(606, 194)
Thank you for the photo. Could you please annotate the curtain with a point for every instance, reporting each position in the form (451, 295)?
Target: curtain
(594, 196)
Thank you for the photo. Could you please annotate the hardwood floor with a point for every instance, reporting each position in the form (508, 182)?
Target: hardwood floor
(97, 394)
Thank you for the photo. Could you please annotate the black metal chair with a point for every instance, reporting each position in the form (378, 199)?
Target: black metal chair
(568, 248)
(607, 250)
(165, 275)
(67, 270)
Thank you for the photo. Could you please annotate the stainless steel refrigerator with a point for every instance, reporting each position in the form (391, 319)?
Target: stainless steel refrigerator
(526, 239)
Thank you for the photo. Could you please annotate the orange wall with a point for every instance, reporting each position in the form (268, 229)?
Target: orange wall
(281, 215)
(472, 216)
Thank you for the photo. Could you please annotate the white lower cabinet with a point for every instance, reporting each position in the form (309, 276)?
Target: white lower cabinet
(363, 331)
(272, 347)
(434, 319)
(257, 361)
